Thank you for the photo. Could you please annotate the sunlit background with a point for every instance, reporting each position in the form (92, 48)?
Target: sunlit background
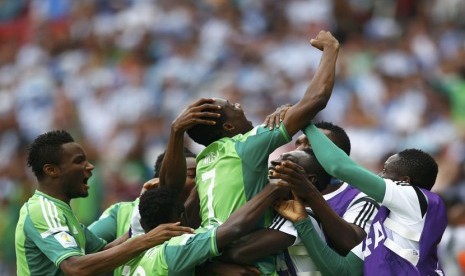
(116, 73)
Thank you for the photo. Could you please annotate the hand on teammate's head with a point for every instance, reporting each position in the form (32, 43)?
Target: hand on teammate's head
(152, 183)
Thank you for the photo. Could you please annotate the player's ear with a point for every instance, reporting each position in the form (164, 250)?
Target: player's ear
(51, 170)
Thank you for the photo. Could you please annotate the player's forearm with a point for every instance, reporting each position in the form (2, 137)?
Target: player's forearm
(257, 245)
(342, 234)
(317, 94)
(103, 261)
(245, 218)
(338, 164)
(173, 169)
(326, 260)
(191, 214)
(118, 241)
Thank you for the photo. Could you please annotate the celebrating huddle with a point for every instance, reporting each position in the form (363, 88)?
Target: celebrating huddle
(312, 210)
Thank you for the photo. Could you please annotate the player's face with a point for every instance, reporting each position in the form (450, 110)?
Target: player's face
(297, 156)
(390, 171)
(302, 142)
(190, 178)
(235, 115)
(74, 171)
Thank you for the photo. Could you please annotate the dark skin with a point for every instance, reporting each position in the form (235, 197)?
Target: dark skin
(314, 100)
(68, 180)
(196, 113)
(343, 235)
(173, 174)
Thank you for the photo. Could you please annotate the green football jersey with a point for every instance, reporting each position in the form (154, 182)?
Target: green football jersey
(47, 233)
(114, 221)
(178, 256)
(231, 171)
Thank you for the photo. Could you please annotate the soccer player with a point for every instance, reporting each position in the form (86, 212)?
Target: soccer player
(49, 239)
(115, 220)
(343, 212)
(405, 233)
(233, 166)
(179, 256)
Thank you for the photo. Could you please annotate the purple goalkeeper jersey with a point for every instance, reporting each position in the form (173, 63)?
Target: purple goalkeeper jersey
(381, 260)
(340, 202)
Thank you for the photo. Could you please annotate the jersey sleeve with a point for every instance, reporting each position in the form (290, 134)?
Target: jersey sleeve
(361, 211)
(325, 258)
(403, 202)
(338, 164)
(256, 146)
(254, 149)
(190, 251)
(106, 226)
(50, 233)
(93, 243)
(286, 226)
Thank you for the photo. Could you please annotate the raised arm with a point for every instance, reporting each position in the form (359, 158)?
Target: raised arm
(319, 91)
(173, 168)
(338, 164)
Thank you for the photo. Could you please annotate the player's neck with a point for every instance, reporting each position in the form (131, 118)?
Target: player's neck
(330, 188)
(53, 191)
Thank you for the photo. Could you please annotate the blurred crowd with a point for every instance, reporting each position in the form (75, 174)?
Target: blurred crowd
(115, 73)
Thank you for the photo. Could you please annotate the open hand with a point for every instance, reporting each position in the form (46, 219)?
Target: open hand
(292, 209)
(275, 118)
(200, 112)
(295, 177)
(164, 232)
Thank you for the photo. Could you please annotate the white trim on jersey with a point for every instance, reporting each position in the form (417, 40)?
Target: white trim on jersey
(405, 211)
(336, 192)
(50, 214)
(361, 211)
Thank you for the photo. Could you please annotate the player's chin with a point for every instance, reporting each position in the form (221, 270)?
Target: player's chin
(82, 193)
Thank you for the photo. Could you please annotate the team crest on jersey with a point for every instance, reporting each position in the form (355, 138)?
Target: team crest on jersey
(65, 239)
(210, 157)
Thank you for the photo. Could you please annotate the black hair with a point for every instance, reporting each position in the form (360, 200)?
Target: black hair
(337, 134)
(157, 167)
(158, 206)
(323, 178)
(419, 166)
(207, 134)
(46, 149)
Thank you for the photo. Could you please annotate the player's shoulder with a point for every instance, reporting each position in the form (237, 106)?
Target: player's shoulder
(40, 206)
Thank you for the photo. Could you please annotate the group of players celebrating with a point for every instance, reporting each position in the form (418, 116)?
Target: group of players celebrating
(312, 210)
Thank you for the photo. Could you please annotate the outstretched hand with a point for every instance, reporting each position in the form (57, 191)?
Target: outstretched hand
(295, 177)
(325, 40)
(275, 118)
(202, 111)
(292, 209)
(164, 232)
